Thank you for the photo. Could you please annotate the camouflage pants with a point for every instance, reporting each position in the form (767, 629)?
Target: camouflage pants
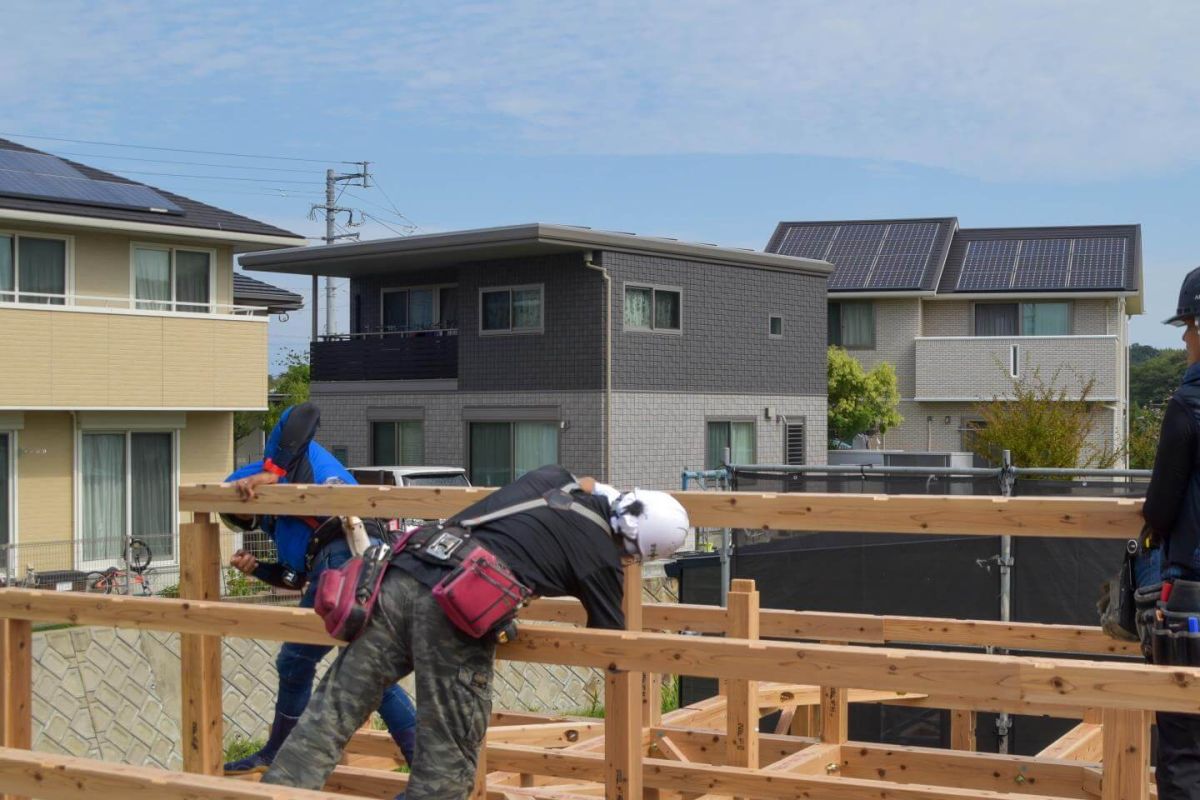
(408, 633)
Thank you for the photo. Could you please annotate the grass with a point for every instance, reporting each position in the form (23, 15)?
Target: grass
(240, 747)
(595, 706)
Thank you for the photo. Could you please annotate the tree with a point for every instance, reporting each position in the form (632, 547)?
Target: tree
(291, 384)
(1141, 352)
(860, 401)
(1145, 424)
(1042, 426)
(1154, 379)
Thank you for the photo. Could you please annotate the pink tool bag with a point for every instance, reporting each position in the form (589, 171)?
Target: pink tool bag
(480, 594)
(346, 596)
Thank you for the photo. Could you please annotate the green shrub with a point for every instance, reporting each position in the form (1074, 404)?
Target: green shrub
(240, 747)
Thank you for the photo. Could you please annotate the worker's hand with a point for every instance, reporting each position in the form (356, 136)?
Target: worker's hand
(243, 562)
(246, 486)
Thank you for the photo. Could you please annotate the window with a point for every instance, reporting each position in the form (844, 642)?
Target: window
(127, 489)
(1022, 319)
(512, 309)
(420, 308)
(167, 278)
(793, 444)
(6, 497)
(737, 436)
(501, 452)
(775, 327)
(652, 308)
(342, 454)
(398, 444)
(852, 324)
(33, 270)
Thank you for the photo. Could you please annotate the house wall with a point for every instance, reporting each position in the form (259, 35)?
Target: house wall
(897, 324)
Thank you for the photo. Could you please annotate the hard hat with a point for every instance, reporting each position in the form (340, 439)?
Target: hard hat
(652, 524)
(1189, 300)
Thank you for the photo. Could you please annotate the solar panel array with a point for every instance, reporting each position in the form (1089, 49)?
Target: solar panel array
(44, 177)
(866, 255)
(1093, 263)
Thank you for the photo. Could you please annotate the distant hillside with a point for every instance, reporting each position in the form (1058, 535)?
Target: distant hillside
(1154, 374)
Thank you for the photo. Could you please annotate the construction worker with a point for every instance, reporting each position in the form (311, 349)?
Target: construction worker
(1172, 511)
(557, 537)
(306, 549)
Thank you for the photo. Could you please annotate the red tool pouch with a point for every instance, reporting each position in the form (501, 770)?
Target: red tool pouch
(480, 594)
(346, 596)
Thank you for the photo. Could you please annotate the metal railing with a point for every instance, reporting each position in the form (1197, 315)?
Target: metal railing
(43, 300)
(392, 331)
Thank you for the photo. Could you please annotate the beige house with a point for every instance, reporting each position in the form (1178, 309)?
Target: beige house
(961, 313)
(124, 357)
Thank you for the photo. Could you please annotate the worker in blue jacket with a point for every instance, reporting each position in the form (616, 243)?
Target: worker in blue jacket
(306, 549)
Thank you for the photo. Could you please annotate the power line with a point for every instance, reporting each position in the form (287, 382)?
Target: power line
(183, 163)
(395, 208)
(163, 174)
(171, 149)
(391, 211)
(384, 224)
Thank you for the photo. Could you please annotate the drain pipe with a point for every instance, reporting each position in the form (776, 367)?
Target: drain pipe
(1007, 478)
(590, 264)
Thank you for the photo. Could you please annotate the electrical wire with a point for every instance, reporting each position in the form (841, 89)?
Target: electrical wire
(182, 163)
(384, 224)
(173, 149)
(164, 174)
(395, 209)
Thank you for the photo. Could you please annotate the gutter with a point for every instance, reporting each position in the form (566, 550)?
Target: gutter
(590, 264)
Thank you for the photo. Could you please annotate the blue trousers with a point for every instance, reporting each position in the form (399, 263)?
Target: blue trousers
(297, 663)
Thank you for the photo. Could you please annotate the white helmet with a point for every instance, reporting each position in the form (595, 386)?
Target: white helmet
(652, 524)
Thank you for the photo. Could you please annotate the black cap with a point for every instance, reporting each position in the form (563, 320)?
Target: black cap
(1189, 300)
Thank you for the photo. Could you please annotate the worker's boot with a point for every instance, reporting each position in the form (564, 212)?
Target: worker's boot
(261, 761)
(406, 740)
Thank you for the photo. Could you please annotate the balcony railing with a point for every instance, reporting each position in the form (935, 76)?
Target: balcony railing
(426, 354)
(114, 303)
(973, 368)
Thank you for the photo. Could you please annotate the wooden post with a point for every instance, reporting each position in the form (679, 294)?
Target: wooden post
(1126, 761)
(200, 656)
(479, 791)
(835, 713)
(962, 730)
(741, 712)
(16, 686)
(623, 708)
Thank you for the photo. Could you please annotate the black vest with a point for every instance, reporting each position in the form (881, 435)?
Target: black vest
(1183, 543)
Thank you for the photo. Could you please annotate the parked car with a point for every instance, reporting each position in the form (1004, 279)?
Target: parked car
(409, 476)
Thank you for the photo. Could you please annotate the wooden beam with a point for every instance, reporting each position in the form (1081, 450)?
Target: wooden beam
(814, 760)
(1084, 742)
(1126, 760)
(962, 729)
(16, 688)
(623, 706)
(835, 714)
(741, 720)
(200, 656)
(959, 515)
(54, 777)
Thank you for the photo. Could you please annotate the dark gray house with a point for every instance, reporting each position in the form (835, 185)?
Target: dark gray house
(621, 356)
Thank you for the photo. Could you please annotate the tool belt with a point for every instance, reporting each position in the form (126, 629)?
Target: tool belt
(1175, 629)
(329, 530)
(346, 596)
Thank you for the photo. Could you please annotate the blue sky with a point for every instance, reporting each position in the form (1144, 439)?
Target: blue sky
(706, 121)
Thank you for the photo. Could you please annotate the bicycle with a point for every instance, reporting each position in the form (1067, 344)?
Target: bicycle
(138, 557)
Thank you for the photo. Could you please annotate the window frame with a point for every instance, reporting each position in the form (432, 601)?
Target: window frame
(397, 444)
(512, 442)
(158, 560)
(771, 319)
(841, 335)
(1020, 304)
(438, 288)
(10, 492)
(730, 420)
(654, 288)
(174, 301)
(510, 330)
(68, 266)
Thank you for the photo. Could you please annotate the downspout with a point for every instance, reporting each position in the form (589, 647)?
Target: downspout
(590, 264)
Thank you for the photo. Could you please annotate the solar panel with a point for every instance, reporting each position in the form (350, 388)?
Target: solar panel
(989, 264)
(806, 241)
(1098, 263)
(37, 162)
(910, 238)
(898, 271)
(50, 178)
(1043, 264)
(853, 253)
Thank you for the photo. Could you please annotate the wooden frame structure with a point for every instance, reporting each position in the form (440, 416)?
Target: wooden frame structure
(809, 665)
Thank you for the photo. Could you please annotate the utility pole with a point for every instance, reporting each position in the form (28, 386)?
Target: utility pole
(331, 210)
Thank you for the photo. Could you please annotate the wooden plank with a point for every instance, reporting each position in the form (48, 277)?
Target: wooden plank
(623, 706)
(962, 729)
(1126, 761)
(814, 760)
(16, 688)
(960, 515)
(835, 714)
(1084, 742)
(741, 720)
(54, 777)
(200, 688)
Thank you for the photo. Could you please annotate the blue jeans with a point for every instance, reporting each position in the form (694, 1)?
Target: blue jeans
(297, 663)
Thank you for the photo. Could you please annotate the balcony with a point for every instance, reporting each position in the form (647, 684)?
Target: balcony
(973, 368)
(413, 355)
(77, 352)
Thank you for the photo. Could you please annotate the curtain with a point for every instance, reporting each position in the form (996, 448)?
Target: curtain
(1045, 319)
(420, 309)
(103, 480)
(496, 310)
(858, 325)
(638, 308)
(42, 266)
(996, 319)
(383, 444)
(666, 311)
(527, 309)
(7, 275)
(152, 486)
(192, 281)
(742, 445)
(395, 311)
(412, 443)
(152, 278)
(491, 453)
(717, 441)
(535, 444)
(448, 311)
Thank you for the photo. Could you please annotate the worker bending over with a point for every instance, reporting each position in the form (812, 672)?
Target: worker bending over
(555, 536)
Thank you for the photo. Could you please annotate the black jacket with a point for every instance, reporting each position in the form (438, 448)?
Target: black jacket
(1173, 499)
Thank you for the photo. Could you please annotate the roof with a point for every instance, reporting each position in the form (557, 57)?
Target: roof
(249, 291)
(354, 259)
(194, 214)
(933, 256)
